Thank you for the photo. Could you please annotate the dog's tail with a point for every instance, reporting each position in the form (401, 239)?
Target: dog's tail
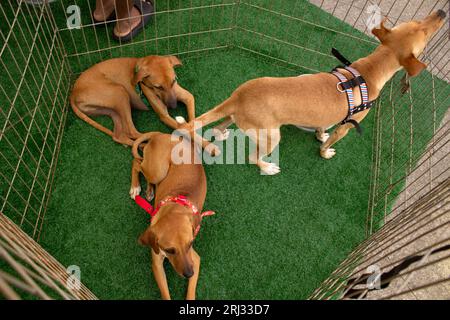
(226, 108)
(223, 110)
(86, 118)
(145, 137)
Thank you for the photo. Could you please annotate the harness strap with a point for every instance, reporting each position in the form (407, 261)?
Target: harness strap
(355, 124)
(340, 57)
(351, 83)
(180, 199)
(348, 90)
(347, 86)
(362, 84)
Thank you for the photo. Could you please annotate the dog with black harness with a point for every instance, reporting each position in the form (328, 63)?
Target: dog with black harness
(347, 86)
(321, 100)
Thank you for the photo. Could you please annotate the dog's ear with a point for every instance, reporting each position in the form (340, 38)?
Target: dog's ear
(175, 61)
(381, 32)
(140, 72)
(149, 239)
(412, 65)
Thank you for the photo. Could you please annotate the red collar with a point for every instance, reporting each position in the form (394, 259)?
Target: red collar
(180, 199)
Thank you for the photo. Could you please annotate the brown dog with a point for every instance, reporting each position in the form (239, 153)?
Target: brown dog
(108, 88)
(313, 100)
(172, 230)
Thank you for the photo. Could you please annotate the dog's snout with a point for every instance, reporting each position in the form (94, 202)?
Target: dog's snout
(188, 272)
(172, 102)
(441, 14)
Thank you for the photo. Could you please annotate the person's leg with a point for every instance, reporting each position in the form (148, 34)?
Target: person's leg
(124, 10)
(103, 9)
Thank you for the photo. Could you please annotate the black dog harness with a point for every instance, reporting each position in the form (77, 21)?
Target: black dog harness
(347, 85)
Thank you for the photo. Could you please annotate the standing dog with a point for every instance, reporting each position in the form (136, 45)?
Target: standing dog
(313, 100)
(180, 194)
(108, 88)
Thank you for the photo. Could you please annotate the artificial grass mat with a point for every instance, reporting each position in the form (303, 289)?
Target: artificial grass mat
(273, 237)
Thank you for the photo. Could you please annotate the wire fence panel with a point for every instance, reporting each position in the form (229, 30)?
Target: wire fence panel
(28, 271)
(406, 259)
(178, 27)
(33, 91)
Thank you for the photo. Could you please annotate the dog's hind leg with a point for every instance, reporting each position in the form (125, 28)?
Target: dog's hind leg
(85, 111)
(123, 110)
(106, 99)
(157, 159)
(119, 134)
(322, 135)
(265, 141)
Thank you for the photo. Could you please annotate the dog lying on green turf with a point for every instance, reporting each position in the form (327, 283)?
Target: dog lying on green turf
(108, 88)
(180, 194)
(320, 100)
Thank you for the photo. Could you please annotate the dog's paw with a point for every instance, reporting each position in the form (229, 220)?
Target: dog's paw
(327, 153)
(150, 193)
(135, 191)
(323, 137)
(213, 150)
(269, 168)
(221, 135)
(180, 119)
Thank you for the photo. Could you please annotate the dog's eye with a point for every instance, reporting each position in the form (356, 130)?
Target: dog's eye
(170, 251)
(157, 87)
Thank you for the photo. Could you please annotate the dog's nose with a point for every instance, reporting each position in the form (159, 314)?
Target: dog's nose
(188, 273)
(441, 14)
(172, 102)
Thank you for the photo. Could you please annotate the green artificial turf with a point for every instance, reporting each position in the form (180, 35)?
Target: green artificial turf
(273, 237)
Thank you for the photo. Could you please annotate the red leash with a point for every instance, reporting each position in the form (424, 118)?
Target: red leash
(141, 202)
(180, 199)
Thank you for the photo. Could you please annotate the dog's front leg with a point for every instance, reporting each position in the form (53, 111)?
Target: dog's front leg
(150, 193)
(192, 285)
(160, 275)
(135, 188)
(160, 108)
(341, 131)
(187, 98)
